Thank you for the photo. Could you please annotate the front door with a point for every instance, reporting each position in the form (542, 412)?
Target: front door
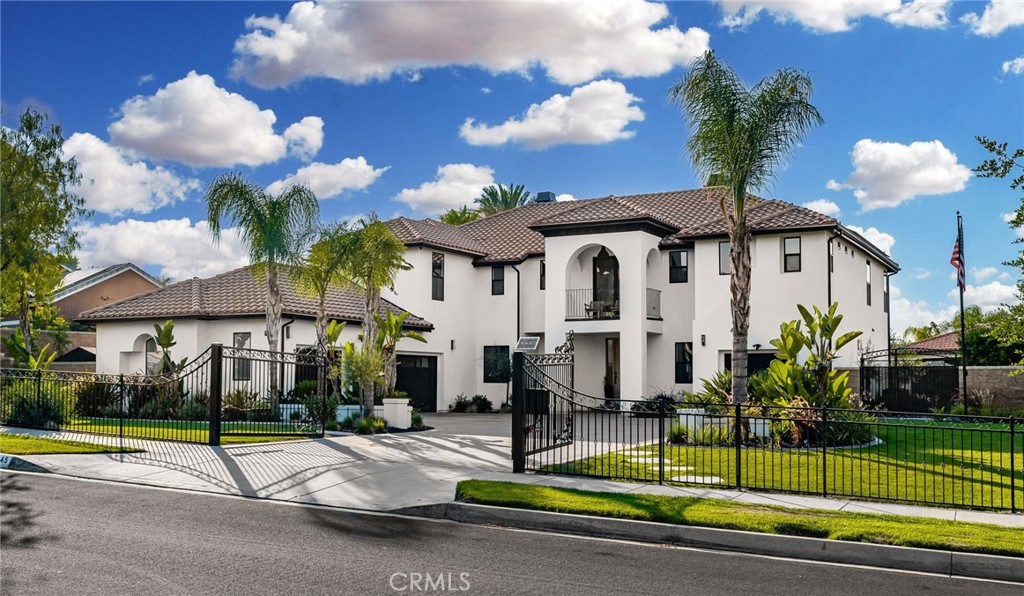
(611, 367)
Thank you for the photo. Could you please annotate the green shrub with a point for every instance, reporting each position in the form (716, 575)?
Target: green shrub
(714, 436)
(849, 427)
(378, 425)
(193, 410)
(111, 411)
(461, 404)
(295, 416)
(349, 422)
(714, 396)
(93, 398)
(235, 405)
(417, 421)
(301, 391)
(321, 410)
(678, 435)
(22, 407)
(263, 413)
(480, 404)
(331, 425)
(364, 426)
(138, 398)
(154, 410)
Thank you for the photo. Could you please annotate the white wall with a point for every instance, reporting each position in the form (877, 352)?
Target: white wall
(849, 288)
(677, 310)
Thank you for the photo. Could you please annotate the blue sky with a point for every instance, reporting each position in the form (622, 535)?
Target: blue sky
(409, 108)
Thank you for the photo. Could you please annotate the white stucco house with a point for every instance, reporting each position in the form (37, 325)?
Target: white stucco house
(641, 280)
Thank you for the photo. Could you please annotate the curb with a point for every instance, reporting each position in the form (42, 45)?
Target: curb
(11, 462)
(942, 562)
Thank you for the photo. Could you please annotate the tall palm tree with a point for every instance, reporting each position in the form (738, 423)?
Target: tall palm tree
(323, 268)
(376, 258)
(494, 199)
(457, 217)
(392, 330)
(273, 228)
(739, 136)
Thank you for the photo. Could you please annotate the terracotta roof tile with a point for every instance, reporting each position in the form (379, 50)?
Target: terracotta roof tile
(435, 233)
(236, 292)
(949, 340)
(506, 235)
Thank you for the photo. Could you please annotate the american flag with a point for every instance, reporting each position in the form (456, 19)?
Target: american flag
(957, 261)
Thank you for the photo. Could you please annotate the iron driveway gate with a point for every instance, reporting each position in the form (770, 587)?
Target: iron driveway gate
(908, 380)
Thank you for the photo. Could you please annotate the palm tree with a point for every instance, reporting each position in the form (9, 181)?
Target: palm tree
(273, 228)
(323, 269)
(494, 199)
(377, 257)
(457, 217)
(738, 138)
(392, 331)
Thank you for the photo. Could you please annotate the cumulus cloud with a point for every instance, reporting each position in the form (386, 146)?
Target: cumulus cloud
(329, 180)
(1008, 217)
(194, 121)
(1015, 66)
(573, 42)
(593, 114)
(564, 197)
(115, 183)
(914, 313)
(983, 273)
(999, 15)
(887, 174)
(823, 206)
(989, 297)
(880, 239)
(835, 16)
(177, 247)
(921, 273)
(146, 78)
(456, 184)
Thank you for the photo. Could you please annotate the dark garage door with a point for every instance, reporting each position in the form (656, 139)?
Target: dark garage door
(417, 376)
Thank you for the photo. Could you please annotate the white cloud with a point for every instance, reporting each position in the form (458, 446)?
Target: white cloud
(1008, 217)
(146, 78)
(485, 90)
(1015, 66)
(573, 42)
(921, 273)
(305, 137)
(880, 239)
(194, 121)
(823, 206)
(834, 16)
(564, 197)
(914, 313)
(180, 249)
(114, 183)
(989, 297)
(328, 180)
(983, 273)
(999, 15)
(457, 184)
(887, 174)
(593, 114)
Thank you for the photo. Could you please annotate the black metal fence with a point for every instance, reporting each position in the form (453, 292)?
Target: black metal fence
(905, 380)
(223, 392)
(956, 461)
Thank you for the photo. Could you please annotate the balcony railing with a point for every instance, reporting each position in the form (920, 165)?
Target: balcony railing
(653, 304)
(580, 306)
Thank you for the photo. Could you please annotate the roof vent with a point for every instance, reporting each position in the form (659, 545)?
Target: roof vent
(545, 197)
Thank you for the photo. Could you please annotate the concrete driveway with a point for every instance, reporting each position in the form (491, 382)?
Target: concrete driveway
(382, 472)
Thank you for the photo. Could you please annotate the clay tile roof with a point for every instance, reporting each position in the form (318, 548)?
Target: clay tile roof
(609, 210)
(237, 292)
(764, 215)
(506, 235)
(949, 340)
(435, 233)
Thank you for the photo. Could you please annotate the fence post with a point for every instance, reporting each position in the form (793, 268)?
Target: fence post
(824, 454)
(39, 400)
(216, 366)
(739, 446)
(518, 412)
(1013, 479)
(120, 399)
(661, 440)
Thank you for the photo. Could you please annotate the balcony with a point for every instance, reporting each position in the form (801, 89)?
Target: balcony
(580, 305)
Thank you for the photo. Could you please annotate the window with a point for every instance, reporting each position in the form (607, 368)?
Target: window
(497, 368)
(543, 274)
(831, 258)
(437, 276)
(152, 356)
(724, 265)
(678, 270)
(241, 367)
(497, 280)
(791, 254)
(885, 296)
(684, 362)
(868, 263)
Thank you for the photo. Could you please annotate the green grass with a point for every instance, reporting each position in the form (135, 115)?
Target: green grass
(932, 463)
(184, 430)
(710, 513)
(25, 445)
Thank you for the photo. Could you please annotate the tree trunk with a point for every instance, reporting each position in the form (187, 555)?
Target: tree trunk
(322, 352)
(371, 305)
(24, 311)
(739, 286)
(273, 329)
(390, 371)
(367, 391)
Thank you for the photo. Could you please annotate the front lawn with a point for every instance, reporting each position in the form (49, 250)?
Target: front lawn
(11, 444)
(938, 463)
(711, 513)
(187, 430)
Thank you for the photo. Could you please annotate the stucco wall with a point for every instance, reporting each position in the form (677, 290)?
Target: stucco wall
(123, 285)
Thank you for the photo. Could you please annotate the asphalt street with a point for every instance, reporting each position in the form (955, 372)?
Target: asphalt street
(73, 537)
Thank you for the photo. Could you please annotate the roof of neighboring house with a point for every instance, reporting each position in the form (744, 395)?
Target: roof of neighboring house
(238, 293)
(683, 215)
(949, 340)
(76, 281)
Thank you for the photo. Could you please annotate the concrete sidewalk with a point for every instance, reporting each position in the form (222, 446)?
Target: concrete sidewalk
(390, 472)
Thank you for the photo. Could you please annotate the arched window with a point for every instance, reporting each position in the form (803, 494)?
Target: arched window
(152, 356)
(606, 277)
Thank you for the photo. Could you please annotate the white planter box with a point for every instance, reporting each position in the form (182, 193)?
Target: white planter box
(398, 412)
(345, 411)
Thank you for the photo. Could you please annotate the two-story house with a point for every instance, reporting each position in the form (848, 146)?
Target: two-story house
(641, 280)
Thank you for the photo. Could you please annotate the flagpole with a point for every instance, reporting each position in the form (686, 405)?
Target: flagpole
(963, 325)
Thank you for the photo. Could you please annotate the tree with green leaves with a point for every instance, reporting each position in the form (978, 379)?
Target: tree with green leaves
(497, 198)
(457, 217)
(273, 228)
(376, 258)
(39, 208)
(323, 269)
(392, 330)
(739, 137)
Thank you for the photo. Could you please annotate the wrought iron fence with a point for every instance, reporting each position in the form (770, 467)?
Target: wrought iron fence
(956, 461)
(910, 380)
(223, 392)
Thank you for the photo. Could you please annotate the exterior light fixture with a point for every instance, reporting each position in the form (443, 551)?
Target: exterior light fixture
(703, 340)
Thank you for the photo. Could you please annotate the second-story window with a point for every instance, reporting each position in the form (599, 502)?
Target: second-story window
(791, 254)
(868, 264)
(437, 276)
(678, 267)
(543, 274)
(497, 280)
(724, 264)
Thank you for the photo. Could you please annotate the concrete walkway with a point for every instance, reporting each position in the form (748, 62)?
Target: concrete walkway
(389, 472)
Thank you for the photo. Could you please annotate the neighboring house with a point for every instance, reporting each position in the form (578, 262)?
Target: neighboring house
(948, 341)
(86, 289)
(642, 280)
(230, 309)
